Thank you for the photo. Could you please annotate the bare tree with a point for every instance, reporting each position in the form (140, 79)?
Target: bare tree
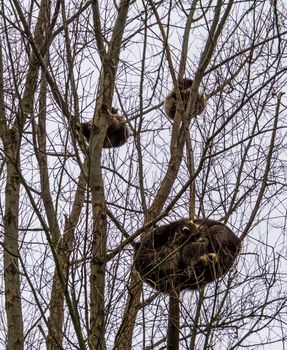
(72, 211)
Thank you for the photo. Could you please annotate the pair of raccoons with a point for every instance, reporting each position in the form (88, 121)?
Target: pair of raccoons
(118, 132)
(186, 254)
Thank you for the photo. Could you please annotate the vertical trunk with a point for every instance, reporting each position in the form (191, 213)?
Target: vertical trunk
(12, 140)
(98, 263)
(124, 335)
(11, 261)
(97, 281)
(173, 322)
(13, 307)
(98, 259)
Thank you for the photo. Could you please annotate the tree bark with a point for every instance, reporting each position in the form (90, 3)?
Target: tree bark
(13, 307)
(173, 321)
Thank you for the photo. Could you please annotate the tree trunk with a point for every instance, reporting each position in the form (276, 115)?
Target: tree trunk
(11, 261)
(173, 321)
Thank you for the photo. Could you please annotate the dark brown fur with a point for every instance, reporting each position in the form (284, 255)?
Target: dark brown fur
(117, 132)
(185, 254)
(184, 85)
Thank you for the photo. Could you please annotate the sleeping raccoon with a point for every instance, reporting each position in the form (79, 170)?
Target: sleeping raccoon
(185, 90)
(117, 131)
